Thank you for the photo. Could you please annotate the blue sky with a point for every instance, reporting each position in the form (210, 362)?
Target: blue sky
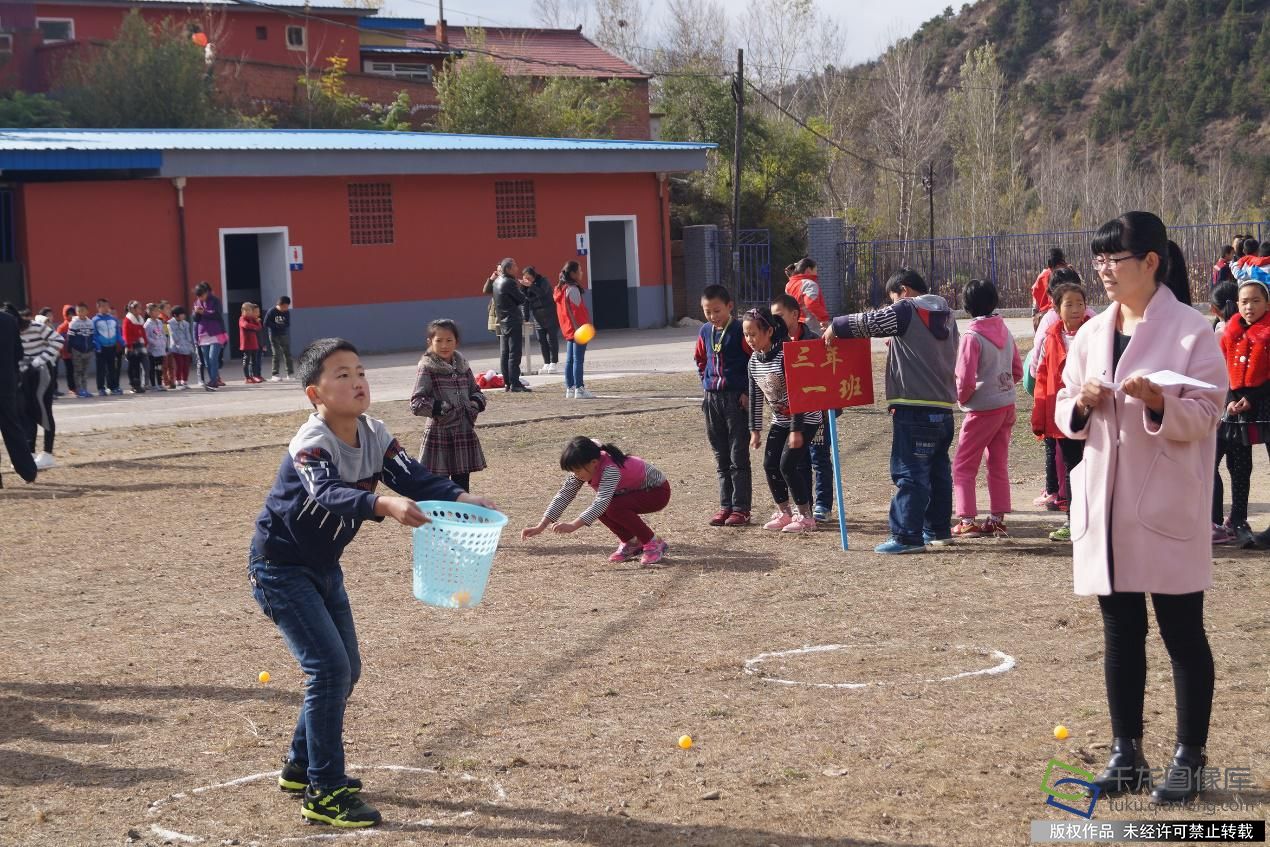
(869, 24)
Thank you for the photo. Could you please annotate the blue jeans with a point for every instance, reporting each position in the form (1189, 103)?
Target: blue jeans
(574, 356)
(920, 441)
(310, 608)
(211, 353)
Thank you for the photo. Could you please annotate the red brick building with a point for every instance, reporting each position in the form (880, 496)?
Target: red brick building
(391, 229)
(259, 52)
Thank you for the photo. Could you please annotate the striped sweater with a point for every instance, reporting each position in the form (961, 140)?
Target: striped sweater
(41, 345)
(767, 384)
(607, 488)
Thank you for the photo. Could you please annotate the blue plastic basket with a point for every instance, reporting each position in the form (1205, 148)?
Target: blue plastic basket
(453, 553)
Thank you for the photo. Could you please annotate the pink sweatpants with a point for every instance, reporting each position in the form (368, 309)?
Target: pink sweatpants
(983, 431)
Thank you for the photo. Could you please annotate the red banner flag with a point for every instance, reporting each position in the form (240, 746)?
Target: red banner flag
(822, 376)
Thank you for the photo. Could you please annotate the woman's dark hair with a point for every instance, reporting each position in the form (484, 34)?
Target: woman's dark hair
(1250, 246)
(804, 265)
(1056, 258)
(201, 289)
(1178, 281)
(566, 273)
(1225, 299)
(981, 297)
(446, 324)
(1056, 294)
(789, 270)
(1138, 233)
(581, 451)
(529, 271)
(906, 277)
(1226, 251)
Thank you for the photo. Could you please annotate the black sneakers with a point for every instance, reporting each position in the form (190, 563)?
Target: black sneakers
(341, 807)
(295, 777)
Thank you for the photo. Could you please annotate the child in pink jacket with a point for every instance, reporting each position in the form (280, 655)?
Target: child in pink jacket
(988, 366)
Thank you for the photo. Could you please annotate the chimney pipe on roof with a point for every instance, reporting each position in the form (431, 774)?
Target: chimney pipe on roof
(441, 35)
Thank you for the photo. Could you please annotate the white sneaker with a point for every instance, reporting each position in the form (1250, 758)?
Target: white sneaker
(44, 461)
(569, 394)
(275, 378)
(581, 393)
(545, 369)
(551, 368)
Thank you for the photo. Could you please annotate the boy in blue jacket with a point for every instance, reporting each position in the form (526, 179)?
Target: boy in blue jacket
(107, 342)
(324, 491)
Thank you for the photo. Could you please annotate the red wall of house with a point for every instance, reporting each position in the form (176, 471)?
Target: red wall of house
(444, 246)
(234, 33)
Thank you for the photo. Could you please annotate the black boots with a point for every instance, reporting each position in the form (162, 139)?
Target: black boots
(1182, 776)
(1127, 769)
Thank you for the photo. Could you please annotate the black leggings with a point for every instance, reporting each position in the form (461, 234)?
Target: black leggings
(1073, 450)
(1051, 466)
(462, 480)
(1239, 463)
(1180, 618)
(788, 468)
(549, 342)
(37, 405)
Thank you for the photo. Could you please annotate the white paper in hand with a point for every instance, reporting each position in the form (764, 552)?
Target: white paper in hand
(1164, 379)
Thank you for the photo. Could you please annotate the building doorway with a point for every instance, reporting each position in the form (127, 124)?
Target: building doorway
(254, 269)
(613, 270)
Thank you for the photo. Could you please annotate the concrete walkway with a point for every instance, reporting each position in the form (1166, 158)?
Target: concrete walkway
(612, 355)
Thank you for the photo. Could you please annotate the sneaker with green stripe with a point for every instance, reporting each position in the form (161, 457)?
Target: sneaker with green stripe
(339, 807)
(295, 777)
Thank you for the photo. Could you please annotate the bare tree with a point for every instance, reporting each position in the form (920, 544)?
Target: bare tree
(979, 138)
(909, 126)
(563, 14)
(698, 34)
(790, 41)
(621, 29)
(1054, 182)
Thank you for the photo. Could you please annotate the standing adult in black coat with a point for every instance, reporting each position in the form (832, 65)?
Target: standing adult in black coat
(10, 421)
(542, 305)
(509, 304)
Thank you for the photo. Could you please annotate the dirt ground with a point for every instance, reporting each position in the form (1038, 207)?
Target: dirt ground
(549, 714)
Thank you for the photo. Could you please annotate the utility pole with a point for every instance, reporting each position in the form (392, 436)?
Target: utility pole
(738, 94)
(928, 181)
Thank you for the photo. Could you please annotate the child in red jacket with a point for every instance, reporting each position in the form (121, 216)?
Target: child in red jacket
(804, 286)
(1246, 345)
(249, 326)
(1069, 299)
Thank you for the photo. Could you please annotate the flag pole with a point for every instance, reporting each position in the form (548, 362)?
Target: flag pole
(837, 475)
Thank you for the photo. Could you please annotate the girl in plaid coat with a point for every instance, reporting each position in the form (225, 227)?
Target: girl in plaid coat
(446, 393)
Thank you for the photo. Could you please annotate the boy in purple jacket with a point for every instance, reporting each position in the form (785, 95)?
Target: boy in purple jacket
(324, 491)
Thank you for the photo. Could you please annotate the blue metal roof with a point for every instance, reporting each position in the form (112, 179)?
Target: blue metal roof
(316, 152)
(18, 141)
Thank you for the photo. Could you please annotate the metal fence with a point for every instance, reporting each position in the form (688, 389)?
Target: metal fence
(1012, 262)
(753, 285)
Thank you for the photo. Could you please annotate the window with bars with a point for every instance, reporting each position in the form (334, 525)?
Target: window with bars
(514, 210)
(370, 213)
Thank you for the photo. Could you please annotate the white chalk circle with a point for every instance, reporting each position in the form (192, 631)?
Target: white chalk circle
(752, 666)
(497, 795)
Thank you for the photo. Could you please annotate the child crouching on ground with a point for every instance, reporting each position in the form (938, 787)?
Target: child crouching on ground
(625, 488)
(988, 366)
(323, 492)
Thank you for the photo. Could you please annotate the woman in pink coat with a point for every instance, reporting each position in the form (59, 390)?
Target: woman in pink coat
(1141, 495)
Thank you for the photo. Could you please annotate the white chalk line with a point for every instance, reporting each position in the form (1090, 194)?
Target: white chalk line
(499, 793)
(1005, 662)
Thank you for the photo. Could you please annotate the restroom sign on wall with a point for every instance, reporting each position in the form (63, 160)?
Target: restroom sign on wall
(582, 248)
(295, 257)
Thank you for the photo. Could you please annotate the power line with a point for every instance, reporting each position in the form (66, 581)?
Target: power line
(854, 155)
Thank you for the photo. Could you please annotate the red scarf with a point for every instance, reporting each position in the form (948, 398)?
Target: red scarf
(1247, 356)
